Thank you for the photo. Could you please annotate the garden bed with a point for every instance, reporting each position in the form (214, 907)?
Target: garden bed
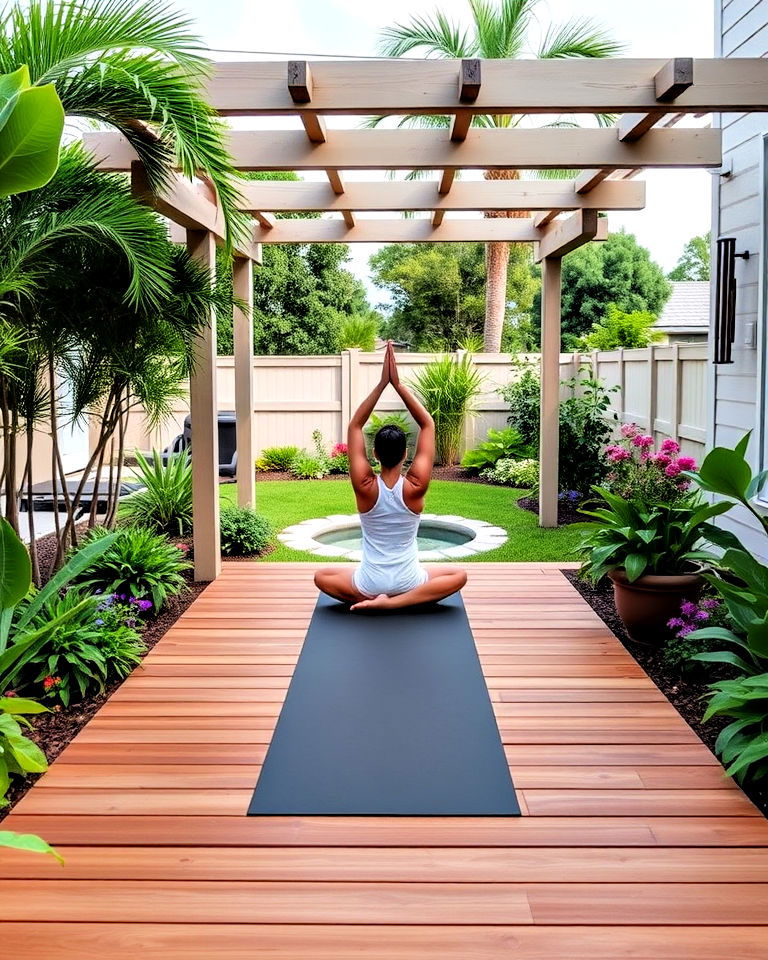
(685, 694)
(438, 473)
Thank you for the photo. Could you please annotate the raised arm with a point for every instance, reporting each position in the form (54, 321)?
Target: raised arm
(420, 472)
(360, 472)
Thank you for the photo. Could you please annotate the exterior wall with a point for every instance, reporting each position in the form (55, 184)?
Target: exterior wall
(737, 390)
(664, 386)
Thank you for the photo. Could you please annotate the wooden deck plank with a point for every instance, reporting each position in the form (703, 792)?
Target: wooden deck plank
(633, 844)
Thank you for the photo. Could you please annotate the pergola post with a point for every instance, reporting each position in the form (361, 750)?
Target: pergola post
(549, 424)
(242, 322)
(205, 432)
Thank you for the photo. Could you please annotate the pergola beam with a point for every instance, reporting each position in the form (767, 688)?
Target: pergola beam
(311, 196)
(470, 78)
(675, 77)
(402, 230)
(502, 149)
(565, 235)
(401, 87)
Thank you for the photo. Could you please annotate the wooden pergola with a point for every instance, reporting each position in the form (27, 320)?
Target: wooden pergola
(649, 97)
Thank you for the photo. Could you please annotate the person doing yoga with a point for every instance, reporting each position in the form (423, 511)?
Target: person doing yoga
(390, 505)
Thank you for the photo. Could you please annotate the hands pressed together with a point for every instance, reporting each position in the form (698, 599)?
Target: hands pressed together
(389, 372)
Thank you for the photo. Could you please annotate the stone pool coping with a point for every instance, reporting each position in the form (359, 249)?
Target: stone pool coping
(485, 536)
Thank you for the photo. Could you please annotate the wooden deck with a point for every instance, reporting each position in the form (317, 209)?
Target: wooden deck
(632, 843)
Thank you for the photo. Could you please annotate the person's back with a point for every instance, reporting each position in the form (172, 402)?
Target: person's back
(390, 506)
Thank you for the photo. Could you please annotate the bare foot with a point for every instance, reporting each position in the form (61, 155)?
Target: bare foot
(377, 603)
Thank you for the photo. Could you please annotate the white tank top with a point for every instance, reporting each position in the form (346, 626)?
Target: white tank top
(389, 530)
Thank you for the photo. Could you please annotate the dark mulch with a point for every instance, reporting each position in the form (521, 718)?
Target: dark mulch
(685, 694)
(566, 512)
(438, 473)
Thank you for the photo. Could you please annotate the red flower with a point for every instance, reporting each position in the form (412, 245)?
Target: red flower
(51, 682)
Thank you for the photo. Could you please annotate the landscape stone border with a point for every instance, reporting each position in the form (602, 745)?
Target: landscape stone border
(484, 536)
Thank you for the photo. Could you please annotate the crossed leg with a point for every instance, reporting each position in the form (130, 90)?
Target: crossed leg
(442, 581)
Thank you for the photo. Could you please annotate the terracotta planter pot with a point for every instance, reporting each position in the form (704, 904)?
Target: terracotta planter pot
(646, 605)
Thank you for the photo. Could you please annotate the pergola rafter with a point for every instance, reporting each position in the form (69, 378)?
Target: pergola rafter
(650, 95)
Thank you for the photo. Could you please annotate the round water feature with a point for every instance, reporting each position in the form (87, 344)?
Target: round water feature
(440, 537)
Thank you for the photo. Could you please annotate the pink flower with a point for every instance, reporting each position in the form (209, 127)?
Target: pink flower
(662, 460)
(183, 547)
(673, 470)
(710, 604)
(618, 454)
(670, 446)
(629, 430)
(339, 450)
(642, 441)
(686, 463)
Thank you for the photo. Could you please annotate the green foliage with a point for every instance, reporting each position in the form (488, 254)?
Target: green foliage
(743, 743)
(139, 563)
(617, 270)
(19, 756)
(641, 539)
(437, 291)
(521, 474)
(28, 842)
(621, 329)
(277, 458)
(243, 531)
(694, 262)
(377, 421)
(524, 398)
(306, 466)
(681, 649)
(359, 330)
(506, 443)
(31, 125)
(15, 570)
(165, 503)
(448, 388)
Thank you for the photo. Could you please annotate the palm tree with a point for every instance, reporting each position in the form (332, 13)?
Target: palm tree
(135, 67)
(500, 31)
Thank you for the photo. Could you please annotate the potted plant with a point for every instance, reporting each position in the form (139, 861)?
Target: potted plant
(653, 553)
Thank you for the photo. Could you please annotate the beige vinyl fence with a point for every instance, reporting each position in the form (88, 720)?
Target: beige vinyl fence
(665, 386)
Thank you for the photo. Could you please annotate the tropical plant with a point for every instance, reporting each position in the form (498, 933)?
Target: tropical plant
(276, 458)
(164, 505)
(618, 328)
(743, 743)
(19, 756)
(31, 125)
(638, 471)
(499, 31)
(243, 531)
(694, 262)
(507, 444)
(448, 387)
(522, 474)
(359, 331)
(140, 564)
(640, 539)
(377, 420)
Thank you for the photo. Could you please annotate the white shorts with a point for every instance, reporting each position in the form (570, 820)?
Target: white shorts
(371, 581)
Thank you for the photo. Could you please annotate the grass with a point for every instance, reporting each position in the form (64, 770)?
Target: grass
(284, 502)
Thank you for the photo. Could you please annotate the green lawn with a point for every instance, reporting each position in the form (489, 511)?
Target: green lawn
(285, 502)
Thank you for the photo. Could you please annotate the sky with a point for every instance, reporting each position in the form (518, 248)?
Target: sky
(678, 202)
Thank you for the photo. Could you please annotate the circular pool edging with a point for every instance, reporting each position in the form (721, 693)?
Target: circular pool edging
(484, 536)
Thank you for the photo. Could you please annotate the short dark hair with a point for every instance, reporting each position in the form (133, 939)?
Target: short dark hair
(389, 445)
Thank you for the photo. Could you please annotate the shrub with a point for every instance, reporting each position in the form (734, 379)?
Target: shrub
(621, 329)
(165, 503)
(305, 466)
(277, 458)
(358, 331)
(524, 399)
(243, 531)
(340, 458)
(139, 564)
(523, 474)
(507, 444)
(448, 387)
(19, 756)
(637, 471)
(81, 654)
(377, 421)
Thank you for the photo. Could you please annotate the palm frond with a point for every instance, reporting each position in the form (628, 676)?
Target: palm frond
(580, 37)
(501, 28)
(437, 36)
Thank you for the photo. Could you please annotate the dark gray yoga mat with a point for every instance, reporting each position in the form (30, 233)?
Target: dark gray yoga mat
(387, 714)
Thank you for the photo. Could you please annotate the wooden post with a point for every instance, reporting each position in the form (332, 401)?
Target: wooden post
(242, 322)
(549, 430)
(205, 433)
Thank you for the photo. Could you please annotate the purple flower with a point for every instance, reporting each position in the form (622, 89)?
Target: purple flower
(684, 631)
(144, 605)
(710, 603)
(688, 608)
(675, 622)
(99, 622)
(98, 590)
(701, 615)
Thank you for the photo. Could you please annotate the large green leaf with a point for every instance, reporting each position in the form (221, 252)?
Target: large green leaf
(29, 842)
(32, 122)
(15, 569)
(726, 472)
(21, 705)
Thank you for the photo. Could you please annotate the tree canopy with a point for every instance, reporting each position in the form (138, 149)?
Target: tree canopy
(437, 291)
(618, 271)
(694, 262)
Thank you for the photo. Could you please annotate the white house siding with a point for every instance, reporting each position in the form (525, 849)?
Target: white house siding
(741, 30)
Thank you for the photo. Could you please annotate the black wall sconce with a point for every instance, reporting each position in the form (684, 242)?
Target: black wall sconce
(725, 298)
